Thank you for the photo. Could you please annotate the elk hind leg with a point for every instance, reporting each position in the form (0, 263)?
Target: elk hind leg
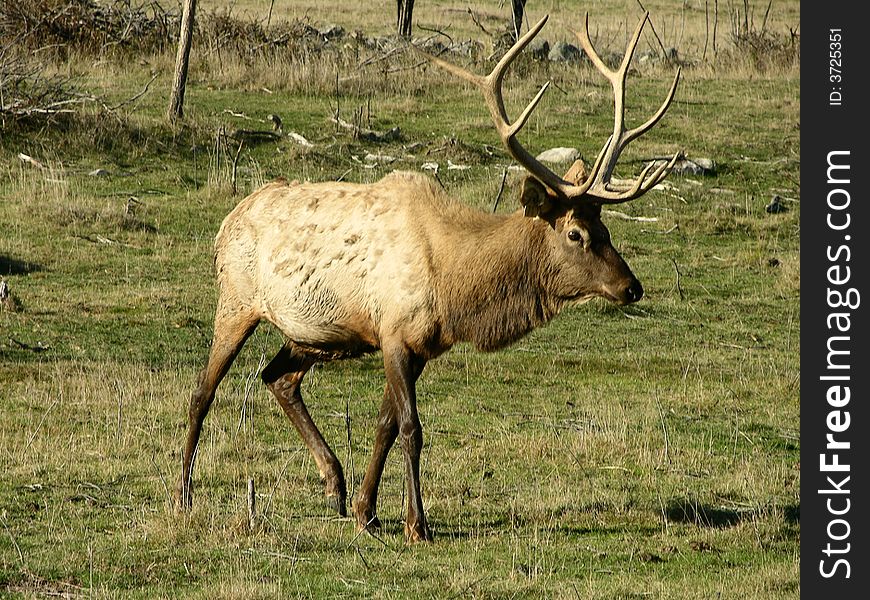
(366, 500)
(232, 328)
(283, 376)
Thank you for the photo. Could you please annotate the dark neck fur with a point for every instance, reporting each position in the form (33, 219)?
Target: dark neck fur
(493, 289)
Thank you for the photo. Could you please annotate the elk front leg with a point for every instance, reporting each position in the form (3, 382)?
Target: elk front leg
(283, 376)
(402, 369)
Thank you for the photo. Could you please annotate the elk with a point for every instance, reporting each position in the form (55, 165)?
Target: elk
(344, 269)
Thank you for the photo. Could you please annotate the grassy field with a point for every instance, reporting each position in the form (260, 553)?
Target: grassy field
(650, 451)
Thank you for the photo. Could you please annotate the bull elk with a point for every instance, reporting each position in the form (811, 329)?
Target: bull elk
(344, 269)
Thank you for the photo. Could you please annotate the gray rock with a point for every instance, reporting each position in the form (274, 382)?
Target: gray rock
(469, 48)
(559, 155)
(332, 32)
(776, 206)
(538, 49)
(431, 45)
(694, 166)
(565, 52)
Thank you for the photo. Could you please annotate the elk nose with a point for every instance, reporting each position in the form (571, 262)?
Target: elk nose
(633, 292)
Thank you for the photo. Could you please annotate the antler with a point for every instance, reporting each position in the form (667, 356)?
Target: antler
(597, 186)
(602, 189)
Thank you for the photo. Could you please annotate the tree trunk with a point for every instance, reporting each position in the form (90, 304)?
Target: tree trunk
(518, 9)
(404, 14)
(176, 99)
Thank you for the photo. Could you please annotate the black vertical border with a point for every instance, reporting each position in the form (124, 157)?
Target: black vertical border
(826, 128)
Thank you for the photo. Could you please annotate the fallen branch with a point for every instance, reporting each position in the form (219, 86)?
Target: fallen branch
(500, 190)
(477, 22)
(38, 348)
(368, 135)
(30, 160)
(135, 96)
(625, 217)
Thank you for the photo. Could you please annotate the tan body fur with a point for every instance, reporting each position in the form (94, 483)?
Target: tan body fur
(337, 267)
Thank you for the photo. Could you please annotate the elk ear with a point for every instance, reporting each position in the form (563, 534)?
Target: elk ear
(535, 199)
(578, 172)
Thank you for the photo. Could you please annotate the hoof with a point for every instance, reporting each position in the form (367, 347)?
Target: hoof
(337, 503)
(182, 501)
(372, 524)
(418, 532)
(366, 519)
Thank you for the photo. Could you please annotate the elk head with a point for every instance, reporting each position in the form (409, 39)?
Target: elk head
(585, 262)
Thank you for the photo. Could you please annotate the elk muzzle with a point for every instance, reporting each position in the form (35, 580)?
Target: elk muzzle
(627, 291)
(632, 292)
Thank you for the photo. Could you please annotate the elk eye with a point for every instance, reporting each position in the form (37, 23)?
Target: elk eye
(575, 236)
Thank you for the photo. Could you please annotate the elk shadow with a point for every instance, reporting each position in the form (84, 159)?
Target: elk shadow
(792, 513)
(688, 510)
(13, 266)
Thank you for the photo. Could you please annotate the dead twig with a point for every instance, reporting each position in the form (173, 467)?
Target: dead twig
(162, 480)
(679, 287)
(665, 433)
(252, 505)
(500, 190)
(12, 539)
(436, 32)
(134, 97)
(625, 217)
(235, 167)
(477, 22)
(653, 29)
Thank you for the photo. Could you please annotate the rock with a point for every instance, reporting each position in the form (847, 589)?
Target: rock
(648, 57)
(469, 48)
(706, 163)
(565, 52)
(695, 166)
(612, 59)
(332, 32)
(776, 205)
(432, 46)
(538, 49)
(299, 139)
(559, 155)
(379, 158)
(671, 55)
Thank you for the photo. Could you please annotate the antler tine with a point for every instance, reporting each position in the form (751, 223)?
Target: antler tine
(617, 82)
(491, 87)
(619, 74)
(639, 187)
(501, 67)
(639, 131)
(601, 189)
